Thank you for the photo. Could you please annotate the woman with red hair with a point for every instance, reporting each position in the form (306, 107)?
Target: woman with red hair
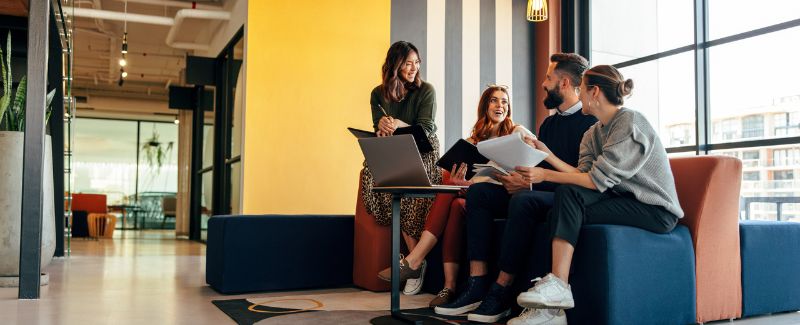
(445, 221)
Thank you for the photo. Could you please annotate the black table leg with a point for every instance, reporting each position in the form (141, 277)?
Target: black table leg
(396, 314)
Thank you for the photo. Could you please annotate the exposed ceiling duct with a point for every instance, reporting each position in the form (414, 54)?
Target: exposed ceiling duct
(182, 17)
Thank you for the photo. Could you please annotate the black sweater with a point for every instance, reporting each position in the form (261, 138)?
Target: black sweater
(563, 134)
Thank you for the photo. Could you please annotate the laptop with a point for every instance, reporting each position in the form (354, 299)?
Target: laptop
(395, 162)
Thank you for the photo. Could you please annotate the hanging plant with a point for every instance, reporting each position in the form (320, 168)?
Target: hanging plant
(154, 151)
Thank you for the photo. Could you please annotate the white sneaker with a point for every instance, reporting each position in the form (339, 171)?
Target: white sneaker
(549, 292)
(533, 316)
(414, 286)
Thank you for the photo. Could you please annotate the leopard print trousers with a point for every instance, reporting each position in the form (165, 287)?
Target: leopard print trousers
(413, 211)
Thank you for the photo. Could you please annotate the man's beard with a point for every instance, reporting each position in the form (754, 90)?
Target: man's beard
(553, 99)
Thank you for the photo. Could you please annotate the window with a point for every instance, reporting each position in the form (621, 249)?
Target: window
(786, 157)
(728, 17)
(106, 163)
(674, 76)
(751, 158)
(747, 155)
(783, 175)
(727, 129)
(626, 30)
(736, 89)
(753, 126)
(787, 124)
(105, 158)
(752, 110)
(751, 176)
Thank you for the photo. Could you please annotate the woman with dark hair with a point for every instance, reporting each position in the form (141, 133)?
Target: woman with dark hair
(402, 99)
(446, 218)
(623, 178)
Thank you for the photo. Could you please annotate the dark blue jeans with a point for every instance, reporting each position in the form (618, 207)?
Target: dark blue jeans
(524, 210)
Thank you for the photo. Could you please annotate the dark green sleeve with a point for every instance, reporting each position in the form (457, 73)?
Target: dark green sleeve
(374, 101)
(426, 112)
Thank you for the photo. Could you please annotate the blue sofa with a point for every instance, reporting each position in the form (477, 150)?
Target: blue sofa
(279, 252)
(620, 274)
(770, 267)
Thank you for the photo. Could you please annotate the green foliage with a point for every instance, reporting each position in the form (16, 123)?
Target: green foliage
(12, 103)
(155, 151)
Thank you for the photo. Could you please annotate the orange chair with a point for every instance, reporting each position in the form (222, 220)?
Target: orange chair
(708, 190)
(91, 203)
(101, 225)
(100, 222)
(371, 247)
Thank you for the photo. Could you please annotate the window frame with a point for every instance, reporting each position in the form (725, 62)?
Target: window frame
(580, 13)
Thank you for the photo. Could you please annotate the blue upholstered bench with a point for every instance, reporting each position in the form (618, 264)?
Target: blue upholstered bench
(279, 252)
(770, 267)
(626, 275)
(620, 275)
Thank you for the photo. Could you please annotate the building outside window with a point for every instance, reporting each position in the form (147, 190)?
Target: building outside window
(741, 113)
(753, 126)
(786, 157)
(751, 158)
(786, 124)
(751, 176)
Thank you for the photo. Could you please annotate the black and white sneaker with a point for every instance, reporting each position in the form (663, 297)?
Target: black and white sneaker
(469, 299)
(495, 306)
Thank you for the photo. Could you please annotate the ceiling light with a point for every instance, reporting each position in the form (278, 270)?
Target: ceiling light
(125, 43)
(124, 74)
(537, 10)
(125, 30)
(123, 62)
(176, 121)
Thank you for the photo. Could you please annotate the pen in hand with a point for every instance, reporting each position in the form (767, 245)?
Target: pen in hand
(383, 110)
(391, 120)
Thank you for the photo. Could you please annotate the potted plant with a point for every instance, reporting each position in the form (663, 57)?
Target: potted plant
(12, 125)
(155, 151)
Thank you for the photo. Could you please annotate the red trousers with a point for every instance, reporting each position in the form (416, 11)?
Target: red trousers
(446, 222)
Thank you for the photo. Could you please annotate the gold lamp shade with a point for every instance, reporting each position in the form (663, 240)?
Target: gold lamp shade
(537, 10)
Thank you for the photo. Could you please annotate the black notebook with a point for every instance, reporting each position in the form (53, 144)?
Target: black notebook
(421, 139)
(462, 152)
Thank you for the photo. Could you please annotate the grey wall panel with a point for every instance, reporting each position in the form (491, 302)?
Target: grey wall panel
(409, 23)
(452, 55)
(488, 44)
(523, 75)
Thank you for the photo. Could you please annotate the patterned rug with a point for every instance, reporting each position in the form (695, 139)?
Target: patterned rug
(362, 307)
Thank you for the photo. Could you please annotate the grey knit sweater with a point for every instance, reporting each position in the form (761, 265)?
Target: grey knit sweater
(627, 157)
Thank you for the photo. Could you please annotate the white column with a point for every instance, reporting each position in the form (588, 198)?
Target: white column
(471, 63)
(435, 61)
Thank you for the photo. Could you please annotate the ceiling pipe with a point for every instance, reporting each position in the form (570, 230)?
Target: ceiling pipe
(176, 4)
(121, 16)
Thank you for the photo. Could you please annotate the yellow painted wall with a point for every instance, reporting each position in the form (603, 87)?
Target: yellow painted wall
(310, 68)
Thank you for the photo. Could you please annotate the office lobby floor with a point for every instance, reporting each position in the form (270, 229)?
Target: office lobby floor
(149, 277)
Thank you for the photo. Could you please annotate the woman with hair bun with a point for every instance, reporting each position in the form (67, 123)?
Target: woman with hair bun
(623, 178)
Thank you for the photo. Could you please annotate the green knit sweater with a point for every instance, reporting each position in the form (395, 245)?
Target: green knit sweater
(419, 107)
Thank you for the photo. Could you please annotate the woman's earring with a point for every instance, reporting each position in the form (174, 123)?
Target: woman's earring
(596, 103)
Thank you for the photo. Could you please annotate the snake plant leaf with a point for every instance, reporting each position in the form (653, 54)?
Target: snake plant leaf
(50, 96)
(5, 100)
(19, 99)
(8, 74)
(18, 107)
